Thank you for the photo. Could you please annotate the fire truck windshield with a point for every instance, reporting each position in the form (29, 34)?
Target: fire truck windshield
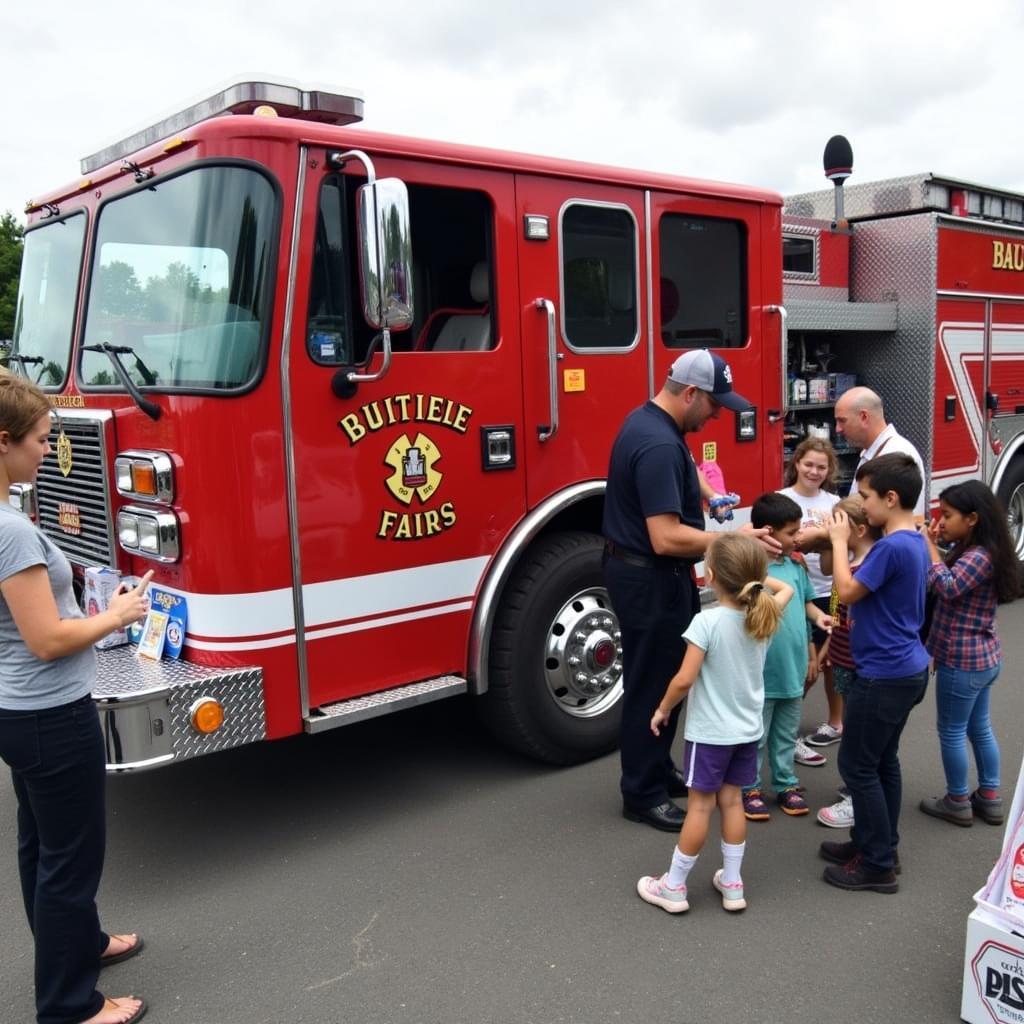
(50, 267)
(180, 276)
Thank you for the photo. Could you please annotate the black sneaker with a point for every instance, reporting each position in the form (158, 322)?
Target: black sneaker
(843, 853)
(855, 877)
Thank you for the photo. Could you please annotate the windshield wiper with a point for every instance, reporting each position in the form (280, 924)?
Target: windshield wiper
(23, 361)
(114, 353)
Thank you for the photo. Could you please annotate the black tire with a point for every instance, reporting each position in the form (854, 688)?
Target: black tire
(1011, 494)
(555, 609)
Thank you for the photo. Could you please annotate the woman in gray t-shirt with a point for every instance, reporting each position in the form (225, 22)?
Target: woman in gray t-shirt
(50, 736)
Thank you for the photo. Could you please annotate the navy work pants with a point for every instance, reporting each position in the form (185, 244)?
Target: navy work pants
(654, 607)
(58, 765)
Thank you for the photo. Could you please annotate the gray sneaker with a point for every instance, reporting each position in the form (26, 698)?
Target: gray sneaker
(959, 812)
(989, 810)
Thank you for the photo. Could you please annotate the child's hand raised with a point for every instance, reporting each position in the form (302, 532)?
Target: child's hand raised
(658, 719)
(838, 526)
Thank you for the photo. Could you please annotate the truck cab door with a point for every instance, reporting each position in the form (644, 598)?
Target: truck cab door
(404, 487)
(584, 325)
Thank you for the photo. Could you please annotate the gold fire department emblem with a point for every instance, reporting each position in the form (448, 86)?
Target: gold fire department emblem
(413, 464)
(64, 453)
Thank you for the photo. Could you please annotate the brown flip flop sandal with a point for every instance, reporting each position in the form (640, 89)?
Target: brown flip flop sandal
(126, 954)
(135, 1017)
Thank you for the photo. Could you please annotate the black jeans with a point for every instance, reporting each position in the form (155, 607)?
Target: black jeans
(876, 712)
(58, 765)
(654, 607)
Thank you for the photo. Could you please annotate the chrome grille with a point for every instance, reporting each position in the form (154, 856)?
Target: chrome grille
(84, 488)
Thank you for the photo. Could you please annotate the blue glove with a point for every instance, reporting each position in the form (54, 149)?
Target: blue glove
(722, 506)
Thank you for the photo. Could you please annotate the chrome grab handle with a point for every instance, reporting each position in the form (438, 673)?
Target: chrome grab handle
(783, 363)
(548, 430)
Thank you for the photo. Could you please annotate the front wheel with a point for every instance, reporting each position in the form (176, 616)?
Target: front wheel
(555, 668)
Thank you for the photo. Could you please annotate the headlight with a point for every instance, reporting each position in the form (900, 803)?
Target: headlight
(149, 532)
(144, 476)
(23, 498)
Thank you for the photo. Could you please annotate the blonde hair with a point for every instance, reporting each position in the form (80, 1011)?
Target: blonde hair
(21, 405)
(740, 566)
(853, 506)
(813, 444)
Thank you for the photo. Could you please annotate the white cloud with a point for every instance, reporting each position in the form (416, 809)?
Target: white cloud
(743, 91)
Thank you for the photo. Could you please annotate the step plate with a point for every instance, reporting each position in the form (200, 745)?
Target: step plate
(358, 709)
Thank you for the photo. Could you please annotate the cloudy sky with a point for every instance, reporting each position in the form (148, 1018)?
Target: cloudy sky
(743, 91)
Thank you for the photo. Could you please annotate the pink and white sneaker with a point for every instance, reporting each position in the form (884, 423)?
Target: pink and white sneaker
(732, 892)
(839, 815)
(658, 892)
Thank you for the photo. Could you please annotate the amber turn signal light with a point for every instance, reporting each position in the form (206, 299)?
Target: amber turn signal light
(206, 715)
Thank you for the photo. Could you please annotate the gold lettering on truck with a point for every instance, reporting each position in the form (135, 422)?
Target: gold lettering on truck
(413, 460)
(1007, 255)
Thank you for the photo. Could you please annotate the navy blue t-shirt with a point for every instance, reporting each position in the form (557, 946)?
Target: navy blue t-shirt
(885, 625)
(651, 473)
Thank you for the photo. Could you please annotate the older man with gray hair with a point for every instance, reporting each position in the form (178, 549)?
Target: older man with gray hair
(860, 418)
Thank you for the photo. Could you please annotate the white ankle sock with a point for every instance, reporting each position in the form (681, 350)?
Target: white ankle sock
(681, 867)
(732, 860)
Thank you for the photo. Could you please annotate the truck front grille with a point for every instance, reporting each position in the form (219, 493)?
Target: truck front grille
(74, 510)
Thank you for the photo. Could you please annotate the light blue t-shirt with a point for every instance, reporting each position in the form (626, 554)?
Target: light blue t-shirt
(785, 668)
(725, 704)
(28, 683)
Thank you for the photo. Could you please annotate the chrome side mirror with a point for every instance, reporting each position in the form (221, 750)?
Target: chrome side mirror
(385, 254)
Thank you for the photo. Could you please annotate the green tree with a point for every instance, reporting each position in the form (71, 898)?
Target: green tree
(11, 248)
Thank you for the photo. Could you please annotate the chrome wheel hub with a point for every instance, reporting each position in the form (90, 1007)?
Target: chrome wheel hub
(1015, 519)
(583, 655)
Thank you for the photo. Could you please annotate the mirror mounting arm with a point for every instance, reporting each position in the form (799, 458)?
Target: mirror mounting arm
(385, 346)
(338, 159)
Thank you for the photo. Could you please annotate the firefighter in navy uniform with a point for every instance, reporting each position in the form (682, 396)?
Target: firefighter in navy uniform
(654, 533)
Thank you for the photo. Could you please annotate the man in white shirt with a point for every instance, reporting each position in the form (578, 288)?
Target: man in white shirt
(861, 419)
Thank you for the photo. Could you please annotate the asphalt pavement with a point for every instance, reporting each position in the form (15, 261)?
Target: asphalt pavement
(409, 871)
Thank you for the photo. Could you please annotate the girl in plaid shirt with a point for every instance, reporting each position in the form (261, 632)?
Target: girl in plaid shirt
(980, 571)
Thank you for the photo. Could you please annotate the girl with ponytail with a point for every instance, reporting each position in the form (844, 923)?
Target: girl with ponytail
(722, 671)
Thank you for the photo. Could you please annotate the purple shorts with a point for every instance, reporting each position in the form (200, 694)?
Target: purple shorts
(709, 766)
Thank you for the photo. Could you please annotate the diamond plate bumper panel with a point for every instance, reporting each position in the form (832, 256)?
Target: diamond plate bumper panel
(145, 708)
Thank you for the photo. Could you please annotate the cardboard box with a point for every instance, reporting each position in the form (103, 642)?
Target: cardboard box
(993, 985)
(993, 988)
(100, 586)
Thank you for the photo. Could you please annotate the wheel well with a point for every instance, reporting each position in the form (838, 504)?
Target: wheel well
(584, 515)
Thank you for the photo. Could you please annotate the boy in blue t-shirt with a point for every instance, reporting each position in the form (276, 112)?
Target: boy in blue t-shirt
(886, 601)
(790, 661)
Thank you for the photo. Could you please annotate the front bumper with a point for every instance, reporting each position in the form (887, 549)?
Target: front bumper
(145, 708)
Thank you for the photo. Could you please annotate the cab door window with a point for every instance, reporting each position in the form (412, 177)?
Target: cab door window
(702, 282)
(599, 277)
(453, 273)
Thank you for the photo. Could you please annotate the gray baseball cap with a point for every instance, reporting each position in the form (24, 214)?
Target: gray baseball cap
(702, 369)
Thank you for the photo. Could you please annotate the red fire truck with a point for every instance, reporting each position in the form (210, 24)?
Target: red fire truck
(352, 395)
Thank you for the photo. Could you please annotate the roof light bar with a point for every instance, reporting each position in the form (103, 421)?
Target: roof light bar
(288, 98)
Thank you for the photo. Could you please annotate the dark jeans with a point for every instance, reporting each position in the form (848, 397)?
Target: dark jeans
(876, 712)
(654, 607)
(58, 765)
